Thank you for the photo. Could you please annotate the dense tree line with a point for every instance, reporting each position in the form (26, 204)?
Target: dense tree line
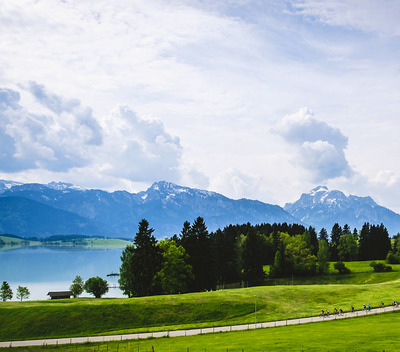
(197, 260)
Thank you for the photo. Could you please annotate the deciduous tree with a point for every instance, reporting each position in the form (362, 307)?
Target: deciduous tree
(96, 286)
(22, 292)
(77, 286)
(348, 247)
(323, 256)
(175, 274)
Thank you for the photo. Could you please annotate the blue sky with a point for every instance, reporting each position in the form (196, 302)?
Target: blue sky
(255, 99)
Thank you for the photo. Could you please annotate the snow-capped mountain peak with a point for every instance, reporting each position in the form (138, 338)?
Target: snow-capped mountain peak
(323, 208)
(318, 189)
(5, 185)
(62, 186)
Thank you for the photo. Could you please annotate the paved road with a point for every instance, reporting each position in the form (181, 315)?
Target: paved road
(190, 332)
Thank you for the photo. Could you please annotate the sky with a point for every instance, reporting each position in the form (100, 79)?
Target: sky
(252, 99)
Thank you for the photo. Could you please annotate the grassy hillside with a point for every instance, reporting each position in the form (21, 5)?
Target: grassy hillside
(371, 333)
(83, 317)
(361, 274)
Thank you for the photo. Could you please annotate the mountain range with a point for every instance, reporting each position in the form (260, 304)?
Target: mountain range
(42, 210)
(323, 208)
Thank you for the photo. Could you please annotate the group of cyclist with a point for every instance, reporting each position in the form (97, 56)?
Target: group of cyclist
(364, 308)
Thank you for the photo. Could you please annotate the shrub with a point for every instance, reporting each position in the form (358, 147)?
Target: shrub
(380, 267)
(393, 258)
(341, 267)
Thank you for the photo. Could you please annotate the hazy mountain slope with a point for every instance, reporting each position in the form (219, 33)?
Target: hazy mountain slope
(165, 205)
(28, 218)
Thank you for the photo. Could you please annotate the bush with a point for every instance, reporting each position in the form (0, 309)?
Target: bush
(380, 267)
(341, 267)
(393, 258)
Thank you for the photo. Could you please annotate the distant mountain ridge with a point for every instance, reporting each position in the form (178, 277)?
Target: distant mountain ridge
(61, 208)
(323, 208)
(165, 205)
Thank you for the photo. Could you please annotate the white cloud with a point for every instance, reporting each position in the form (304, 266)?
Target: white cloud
(380, 16)
(218, 74)
(386, 178)
(137, 148)
(320, 146)
(50, 141)
(237, 184)
(68, 136)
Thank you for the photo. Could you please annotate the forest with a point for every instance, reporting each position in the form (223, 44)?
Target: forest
(198, 260)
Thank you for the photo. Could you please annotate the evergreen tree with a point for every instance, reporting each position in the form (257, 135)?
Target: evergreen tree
(323, 235)
(227, 259)
(364, 243)
(374, 242)
(355, 234)
(5, 291)
(311, 239)
(204, 259)
(201, 250)
(253, 272)
(380, 241)
(140, 263)
(335, 237)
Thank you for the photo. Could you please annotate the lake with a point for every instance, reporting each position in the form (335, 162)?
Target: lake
(53, 269)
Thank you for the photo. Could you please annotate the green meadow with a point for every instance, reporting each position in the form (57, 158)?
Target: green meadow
(85, 317)
(371, 333)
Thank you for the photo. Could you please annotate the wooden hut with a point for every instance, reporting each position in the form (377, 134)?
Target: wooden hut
(60, 294)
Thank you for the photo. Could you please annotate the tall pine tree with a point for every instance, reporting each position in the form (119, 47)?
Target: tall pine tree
(335, 238)
(140, 263)
(200, 247)
(253, 259)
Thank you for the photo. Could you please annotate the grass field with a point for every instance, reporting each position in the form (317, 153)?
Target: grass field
(84, 317)
(371, 333)
(361, 273)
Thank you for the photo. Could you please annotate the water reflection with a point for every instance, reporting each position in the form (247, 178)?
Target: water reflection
(47, 269)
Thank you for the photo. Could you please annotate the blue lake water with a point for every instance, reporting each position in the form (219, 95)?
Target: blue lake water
(43, 269)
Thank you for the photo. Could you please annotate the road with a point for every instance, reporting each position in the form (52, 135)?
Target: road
(175, 333)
